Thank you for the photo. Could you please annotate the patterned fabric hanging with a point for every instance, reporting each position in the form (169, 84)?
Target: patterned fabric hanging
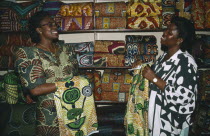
(136, 118)
(75, 107)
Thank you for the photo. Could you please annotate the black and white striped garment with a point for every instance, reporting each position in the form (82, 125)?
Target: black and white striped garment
(170, 110)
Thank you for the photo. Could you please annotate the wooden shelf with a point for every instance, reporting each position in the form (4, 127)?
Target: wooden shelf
(109, 102)
(104, 67)
(118, 30)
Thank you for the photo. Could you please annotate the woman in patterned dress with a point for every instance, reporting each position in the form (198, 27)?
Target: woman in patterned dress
(173, 78)
(41, 66)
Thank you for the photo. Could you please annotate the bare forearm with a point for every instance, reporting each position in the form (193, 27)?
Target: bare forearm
(43, 89)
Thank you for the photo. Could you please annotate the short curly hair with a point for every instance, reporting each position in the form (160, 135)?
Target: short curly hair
(35, 22)
(186, 31)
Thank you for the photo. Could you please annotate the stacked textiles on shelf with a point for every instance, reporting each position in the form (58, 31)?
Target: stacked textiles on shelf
(201, 50)
(204, 85)
(144, 15)
(140, 47)
(9, 41)
(52, 7)
(168, 12)
(14, 16)
(115, 85)
(109, 53)
(135, 14)
(184, 8)
(75, 16)
(84, 51)
(110, 15)
(198, 14)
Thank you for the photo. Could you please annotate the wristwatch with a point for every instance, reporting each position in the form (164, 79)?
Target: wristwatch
(154, 80)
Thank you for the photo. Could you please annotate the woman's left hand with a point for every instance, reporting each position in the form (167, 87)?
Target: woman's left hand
(148, 73)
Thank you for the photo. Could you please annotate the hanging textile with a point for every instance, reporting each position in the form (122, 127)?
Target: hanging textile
(136, 118)
(75, 107)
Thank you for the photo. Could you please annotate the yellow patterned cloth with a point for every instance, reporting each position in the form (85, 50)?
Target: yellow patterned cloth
(75, 107)
(136, 118)
(141, 9)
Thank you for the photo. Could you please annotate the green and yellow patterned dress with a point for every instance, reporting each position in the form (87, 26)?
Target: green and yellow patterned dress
(136, 118)
(35, 67)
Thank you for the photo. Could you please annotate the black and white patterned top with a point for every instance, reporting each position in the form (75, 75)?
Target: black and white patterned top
(170, 110)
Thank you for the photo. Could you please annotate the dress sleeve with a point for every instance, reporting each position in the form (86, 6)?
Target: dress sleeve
(184, 87)
(29, 67)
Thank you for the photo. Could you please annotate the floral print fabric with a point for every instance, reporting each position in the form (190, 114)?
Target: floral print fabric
(35, 67)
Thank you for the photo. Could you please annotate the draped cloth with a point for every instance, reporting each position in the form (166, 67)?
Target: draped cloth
(136, 118)
(75, 107)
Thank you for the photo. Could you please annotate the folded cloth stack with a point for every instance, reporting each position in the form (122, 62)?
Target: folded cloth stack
(144, 15)
(75, 16)
(110, 15)
(14, 16)
(109, 53)
(140, 47)
(115, 84)
(168, 12)
(84, 51)
(184, 8)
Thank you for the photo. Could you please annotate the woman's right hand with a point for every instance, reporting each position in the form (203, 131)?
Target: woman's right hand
(29, 100)
(136, 63)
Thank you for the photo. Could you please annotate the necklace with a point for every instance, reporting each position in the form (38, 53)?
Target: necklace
(48, 49)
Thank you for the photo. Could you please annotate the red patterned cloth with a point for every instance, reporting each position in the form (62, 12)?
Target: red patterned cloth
(198, 14)
(143, 23)
(110, 9)
(144, 9)
(76, 23)
(116, 80)
(111, 60)
(77, 9)
(110, 22)
(109, 46)
(207, 13)
(115, 96)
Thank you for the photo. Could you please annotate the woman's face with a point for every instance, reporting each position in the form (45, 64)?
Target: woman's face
(48, 29)
(170, 36)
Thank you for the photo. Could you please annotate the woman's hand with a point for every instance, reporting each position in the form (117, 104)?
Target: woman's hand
(148, 73)
(136, 63)
(29, 100)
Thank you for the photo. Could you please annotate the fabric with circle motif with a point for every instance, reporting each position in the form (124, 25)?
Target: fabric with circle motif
(97, 85)
(75, 107)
